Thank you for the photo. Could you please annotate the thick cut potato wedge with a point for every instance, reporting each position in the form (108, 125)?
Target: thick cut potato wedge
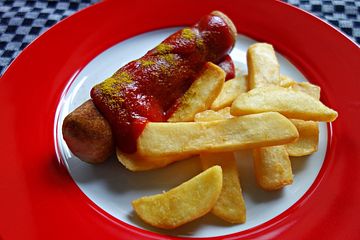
(308, 130)
(272, 167)
(231, 89)
(201, 94)
(263, 66)
(208, 115)
(308, 139)
(182, 204)
(308, 88)
(286, 81)
(265, 71)
(135, 162)
(225, 112)
(290, 103)
(211, 115)
(256, 130)
(230, 205)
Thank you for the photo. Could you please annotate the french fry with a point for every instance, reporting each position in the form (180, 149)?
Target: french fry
(208, 115)
(263, 66)
(272, 167)
(225, 112)
(217, 132)
(308, 139)
(290, 103)
(136, 163)
(201, 94)
(231, 89)
(211, 115)
(308, 130)
(256, 130)
(308, 88)
(182, 204)
(230, 205)
(286, 81)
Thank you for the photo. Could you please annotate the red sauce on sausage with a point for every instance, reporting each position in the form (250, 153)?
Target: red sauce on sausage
(146, 89)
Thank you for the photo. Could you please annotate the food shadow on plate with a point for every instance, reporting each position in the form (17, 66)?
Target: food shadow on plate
(188, 229)
(248, 182)
(116, 178)
(298, 164)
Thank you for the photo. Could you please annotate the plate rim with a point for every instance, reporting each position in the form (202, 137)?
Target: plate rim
(24, 55)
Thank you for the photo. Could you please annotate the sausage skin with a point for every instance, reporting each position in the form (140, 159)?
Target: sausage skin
(88, 134)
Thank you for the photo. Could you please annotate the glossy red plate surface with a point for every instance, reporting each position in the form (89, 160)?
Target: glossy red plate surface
(39, 200)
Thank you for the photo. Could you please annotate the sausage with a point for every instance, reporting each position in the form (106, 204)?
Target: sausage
(88, 134)
(91, 130)
(145, 89)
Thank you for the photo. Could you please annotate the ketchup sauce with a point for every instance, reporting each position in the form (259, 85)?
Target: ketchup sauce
(145, 89)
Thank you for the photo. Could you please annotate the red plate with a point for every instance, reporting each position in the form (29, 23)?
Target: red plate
(39, 200)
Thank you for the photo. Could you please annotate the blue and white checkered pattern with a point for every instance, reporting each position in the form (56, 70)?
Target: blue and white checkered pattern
(344, 14)
(21, 21)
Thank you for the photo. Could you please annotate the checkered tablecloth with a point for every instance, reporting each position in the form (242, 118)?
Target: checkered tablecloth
(22, 21)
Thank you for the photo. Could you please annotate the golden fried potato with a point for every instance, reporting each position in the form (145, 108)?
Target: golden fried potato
(201, 94)
(211, 115)
(208, 115)
(225, 112)
(272, 167)
(231, 89)
(182, 204)
(308, 130)
(308, 139)
(290, 103)
(263, 66)
(308, 88)
(256, 130)
(134, 162)
(286, 81)
(230, 205)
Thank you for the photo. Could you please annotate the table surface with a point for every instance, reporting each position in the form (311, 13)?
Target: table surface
(22, 21)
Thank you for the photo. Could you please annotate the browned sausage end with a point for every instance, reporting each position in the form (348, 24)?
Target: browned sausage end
(88, 134)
